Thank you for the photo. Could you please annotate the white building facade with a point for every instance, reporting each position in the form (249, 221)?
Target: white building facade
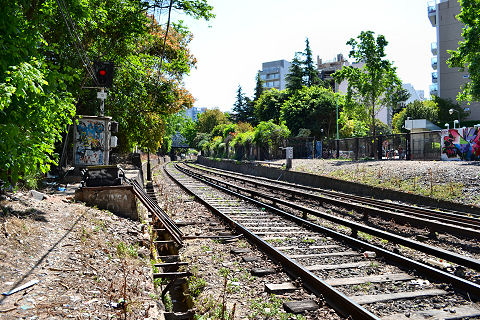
(273, 74)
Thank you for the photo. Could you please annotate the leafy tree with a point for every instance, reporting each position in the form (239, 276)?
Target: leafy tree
(466, 57)
(374, 83)
(311, 108)
(201, 140)
(304, 133)
(269, 105)
(310, 72)
(188, 130)
(444, 116)
(270, 135)
(382, 128)
(33, 115)
(44, 64)
(258, 88)
(209, 120)
(416, 110)
(243, 127)
(294, 77)
(243, 107)
(398, 96)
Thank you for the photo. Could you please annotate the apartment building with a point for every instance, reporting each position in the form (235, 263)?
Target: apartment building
(446, 81)
(273, 74)
(327, 68)
(194, 112)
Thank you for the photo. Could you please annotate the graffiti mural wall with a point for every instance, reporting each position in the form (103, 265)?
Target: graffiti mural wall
(461, 144)
(90, 141)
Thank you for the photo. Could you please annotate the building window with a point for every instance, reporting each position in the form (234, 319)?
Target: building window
(263, 77)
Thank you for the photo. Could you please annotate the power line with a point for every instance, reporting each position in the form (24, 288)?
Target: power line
(76, 39)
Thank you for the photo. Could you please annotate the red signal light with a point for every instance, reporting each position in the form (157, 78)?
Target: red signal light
(103, 74)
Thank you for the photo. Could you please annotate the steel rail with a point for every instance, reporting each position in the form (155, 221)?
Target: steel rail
(469, 289)
(438, 252)
(333, 297)
(161, 215)
(460, 215)
(444, 224)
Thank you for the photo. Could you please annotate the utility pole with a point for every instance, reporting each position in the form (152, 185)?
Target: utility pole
(102, 95)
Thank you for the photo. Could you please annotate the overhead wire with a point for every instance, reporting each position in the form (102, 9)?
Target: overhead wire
(76, 39)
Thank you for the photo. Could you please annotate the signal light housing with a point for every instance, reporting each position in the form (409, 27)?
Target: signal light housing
(103, 73)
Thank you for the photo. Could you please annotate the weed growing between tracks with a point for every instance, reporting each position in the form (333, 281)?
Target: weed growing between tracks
(270, 307)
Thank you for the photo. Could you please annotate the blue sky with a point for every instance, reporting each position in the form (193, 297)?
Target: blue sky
(230, 49)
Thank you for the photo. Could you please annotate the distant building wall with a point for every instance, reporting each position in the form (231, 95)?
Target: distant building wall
(273, 74)
(446, 81)
(194, 112)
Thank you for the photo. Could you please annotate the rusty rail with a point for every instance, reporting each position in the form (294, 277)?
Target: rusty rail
(158, 212)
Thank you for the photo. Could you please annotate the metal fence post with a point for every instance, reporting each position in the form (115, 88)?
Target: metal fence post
(356, 148)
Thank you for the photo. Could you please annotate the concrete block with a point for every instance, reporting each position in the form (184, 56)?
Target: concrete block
(117, 199)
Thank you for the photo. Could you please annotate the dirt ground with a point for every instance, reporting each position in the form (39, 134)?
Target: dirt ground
(89, 263)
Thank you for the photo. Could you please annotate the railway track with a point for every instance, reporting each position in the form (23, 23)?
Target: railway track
(356, 278)
(457, 223)
(355, 228)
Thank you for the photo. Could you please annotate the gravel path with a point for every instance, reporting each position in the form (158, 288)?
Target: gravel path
(450, 180)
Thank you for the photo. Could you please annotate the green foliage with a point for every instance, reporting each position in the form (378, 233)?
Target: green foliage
(243, 139)
(310, 71)
(382, 128)
(198, 9)
(243, 107)
(304, 133)
(258, 88)
(444, 116)
(42, 68)
(312, 108)
(269, 104)
(267, 133)
(376, 81)
(270, 307)
(188, 131)
(294, 78)
(224, 130)
(415, 110)
(201, 140)
(124, 250)
(33, 115)
(466, 57)
(209, 120)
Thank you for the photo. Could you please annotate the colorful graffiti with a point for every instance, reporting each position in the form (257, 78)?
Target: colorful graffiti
(90, 142)
(461, 144)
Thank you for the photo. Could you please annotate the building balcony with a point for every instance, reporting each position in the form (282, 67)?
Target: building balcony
(434, 48)
(434, 77)
(432, 13)
(434, 63)
(434, 89)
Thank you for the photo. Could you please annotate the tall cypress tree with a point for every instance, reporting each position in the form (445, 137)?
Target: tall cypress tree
(258, 88)
(294, 78)
(243, 107)
(310, 72)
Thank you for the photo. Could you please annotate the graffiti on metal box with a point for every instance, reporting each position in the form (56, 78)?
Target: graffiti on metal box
(461, 144)
(90, 142)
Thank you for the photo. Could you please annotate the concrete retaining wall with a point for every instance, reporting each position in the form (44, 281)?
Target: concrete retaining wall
(117, 199)
(318, 181)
